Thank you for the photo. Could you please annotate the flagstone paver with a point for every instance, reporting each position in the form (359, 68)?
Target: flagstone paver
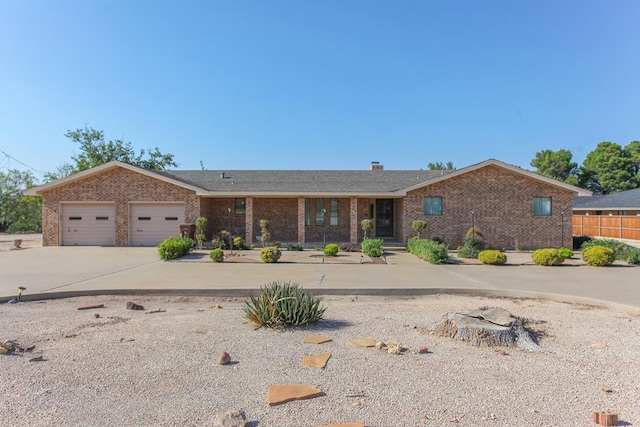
(363, 342)
(283, 393)
(316, 360)
(316, 339)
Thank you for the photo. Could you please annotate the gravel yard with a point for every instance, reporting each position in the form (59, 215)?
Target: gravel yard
(139, 369)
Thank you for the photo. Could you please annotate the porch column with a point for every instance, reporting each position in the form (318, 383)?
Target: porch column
(353, 215)
(248, 220)
(301, 224)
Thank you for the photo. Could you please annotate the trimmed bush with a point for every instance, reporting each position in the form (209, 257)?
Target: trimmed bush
(175, 247)
(331, 250)
(548, 256)
(618, 247)
(429, 250)
(492, 257)
(270, 254)
(418, 226)
(598, 256)
(472, 247)
(367, 226)
(633, 256)
(238, 243)
(372, 247)
(566, 252)
(216, 255)
(283, 304)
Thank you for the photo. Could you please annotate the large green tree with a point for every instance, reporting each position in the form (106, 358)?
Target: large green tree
(19, 212)
(438, 166)
(95, 151)
(557, 165)
(610, 168)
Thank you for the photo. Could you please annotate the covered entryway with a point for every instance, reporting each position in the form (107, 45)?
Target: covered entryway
(88, 224)
(151, 223)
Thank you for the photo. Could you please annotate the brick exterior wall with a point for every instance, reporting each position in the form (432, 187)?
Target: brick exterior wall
(217, 213)
(502, 202)
(117, 185)
(340, 233)
(282, 215)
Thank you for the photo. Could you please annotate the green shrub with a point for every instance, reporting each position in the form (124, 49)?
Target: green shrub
(217, 255)
(297, 247)
(418, 226)
(598, 256)
(429, 250)
(270, 254)
(633, 256)
(331, 250)
(474, 233)
(618, 247)
(372, 247)
(472, 247)
(276, 244)
(366, 225)
(566, 252)
(492, 257)
(283, 304)
(548, 256)
(175, 247)
(238, 243)
(217, 242)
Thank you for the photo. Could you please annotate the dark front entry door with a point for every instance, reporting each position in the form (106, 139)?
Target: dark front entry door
(384, 218)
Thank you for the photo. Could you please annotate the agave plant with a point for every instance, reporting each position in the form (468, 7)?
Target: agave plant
(283, 304)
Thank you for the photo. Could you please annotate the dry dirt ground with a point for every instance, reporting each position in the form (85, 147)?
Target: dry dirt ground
(140, 368)
(28, 240)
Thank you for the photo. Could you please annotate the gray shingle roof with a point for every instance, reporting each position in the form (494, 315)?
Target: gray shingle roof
(298, 181)
(626, 199)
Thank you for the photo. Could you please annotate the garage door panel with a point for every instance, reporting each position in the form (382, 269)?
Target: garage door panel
(88, 224)
(151, 223)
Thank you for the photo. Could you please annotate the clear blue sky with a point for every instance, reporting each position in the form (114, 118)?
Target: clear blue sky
(319, 84)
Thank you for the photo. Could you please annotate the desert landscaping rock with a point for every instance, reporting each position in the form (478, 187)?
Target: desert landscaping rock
(363, 342)
(422, 350)
(224, 358)
(230, 419)
(283, 393)
(134, 306)
(316, 339)
(316, 360)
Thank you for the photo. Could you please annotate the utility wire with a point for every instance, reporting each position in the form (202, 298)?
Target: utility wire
(10, 157)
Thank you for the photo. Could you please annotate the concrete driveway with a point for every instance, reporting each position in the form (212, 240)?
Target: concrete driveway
(60, 271)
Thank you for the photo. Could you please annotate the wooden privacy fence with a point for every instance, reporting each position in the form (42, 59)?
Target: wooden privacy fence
(615, 226)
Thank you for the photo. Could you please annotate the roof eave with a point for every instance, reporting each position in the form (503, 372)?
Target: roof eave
(493, 162)
(40, 189)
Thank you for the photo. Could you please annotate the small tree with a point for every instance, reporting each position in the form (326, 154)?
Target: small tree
(201, 223)
(266, 235)
(366, 225)
(418, 226)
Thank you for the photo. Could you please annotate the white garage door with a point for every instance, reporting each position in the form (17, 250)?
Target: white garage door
(151, 223)
(88, 224)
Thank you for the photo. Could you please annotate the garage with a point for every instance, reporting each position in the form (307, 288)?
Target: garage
(151, 223)
(88, 224)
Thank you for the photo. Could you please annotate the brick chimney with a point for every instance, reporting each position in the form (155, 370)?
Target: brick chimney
(376, 166)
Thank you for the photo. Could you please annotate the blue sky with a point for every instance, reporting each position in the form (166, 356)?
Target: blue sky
(319, 84)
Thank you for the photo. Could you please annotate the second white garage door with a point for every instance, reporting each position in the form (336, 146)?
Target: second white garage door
(151, 223)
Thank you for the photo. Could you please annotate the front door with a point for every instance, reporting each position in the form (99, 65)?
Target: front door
(384, 218)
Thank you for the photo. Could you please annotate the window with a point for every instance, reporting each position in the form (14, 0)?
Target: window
(240, 206)
(102, 218)
(307, 212)
(144, 218)
(333, 211)
(320, 211)
(170, 218)
(433, 206)
(542, 206)
(75, 218)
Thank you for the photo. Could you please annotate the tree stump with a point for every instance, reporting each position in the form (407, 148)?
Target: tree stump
(487, 327)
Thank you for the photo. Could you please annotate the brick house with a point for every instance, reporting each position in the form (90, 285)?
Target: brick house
(117, 204)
